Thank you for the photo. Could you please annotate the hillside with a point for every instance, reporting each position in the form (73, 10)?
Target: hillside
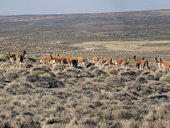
(141, 25)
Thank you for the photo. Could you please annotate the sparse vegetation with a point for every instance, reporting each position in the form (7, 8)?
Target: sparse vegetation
(39, 96)
(68, 97)
(139, 28)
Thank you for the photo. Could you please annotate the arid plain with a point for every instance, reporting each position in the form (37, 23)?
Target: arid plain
(40, 96)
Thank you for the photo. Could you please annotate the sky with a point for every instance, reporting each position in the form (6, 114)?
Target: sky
(21, 7)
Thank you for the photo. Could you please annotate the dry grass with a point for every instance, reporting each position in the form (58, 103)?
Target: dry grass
(66, 97)
(140, 46)
(36, 96)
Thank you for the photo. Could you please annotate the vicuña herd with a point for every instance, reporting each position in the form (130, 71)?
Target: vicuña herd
(139, 63)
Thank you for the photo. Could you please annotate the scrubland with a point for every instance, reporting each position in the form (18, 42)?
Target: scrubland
(36, 96)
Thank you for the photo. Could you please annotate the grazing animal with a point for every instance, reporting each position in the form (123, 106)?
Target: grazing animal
(47, 59)
(81, 61)
(100, 62)
(108, 60)
(121, 61)
(94, 60)
(140, 63)
(163, 64)
(18, 58)
(69, 60)
(12, 57)
(59, 60)
(74, 63)
(158, 63)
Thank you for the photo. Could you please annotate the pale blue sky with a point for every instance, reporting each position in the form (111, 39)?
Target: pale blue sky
(19, 7)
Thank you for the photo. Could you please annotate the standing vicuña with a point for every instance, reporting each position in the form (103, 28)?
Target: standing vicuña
(121, 61)
(163, 64)
(141, 63)
(18, 58)
(48, 58)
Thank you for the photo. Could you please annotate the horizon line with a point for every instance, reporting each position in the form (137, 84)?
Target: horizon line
(41, 14)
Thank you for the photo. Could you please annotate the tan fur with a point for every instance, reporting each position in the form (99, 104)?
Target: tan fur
(81, 60)
(166, 65)
(18, 58)
(46, 59)
(100, 62)
(163, 64)
(121, 62)
(94, 60)
(59, 60)
(69, 60)
(108, 60)
(140, 63)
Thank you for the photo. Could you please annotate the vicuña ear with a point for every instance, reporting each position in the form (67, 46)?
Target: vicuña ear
(24, 51)
(134, 57)
(156, 58)
(58, 54)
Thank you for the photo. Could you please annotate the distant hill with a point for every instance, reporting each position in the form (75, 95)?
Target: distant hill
(139, 25)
